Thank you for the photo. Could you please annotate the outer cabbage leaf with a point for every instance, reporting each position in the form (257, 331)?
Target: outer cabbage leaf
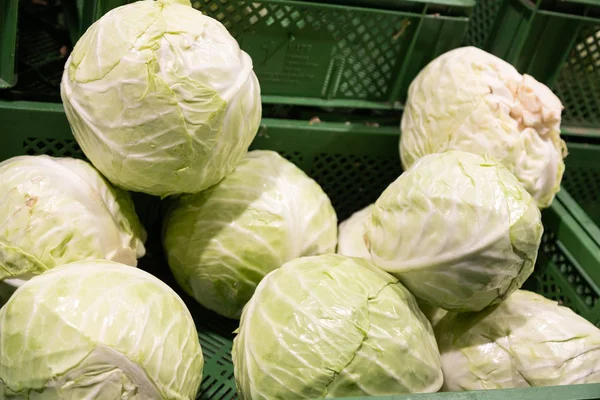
(457, 229)
(525, 341)
(59, 210)
(98, 330)
(220, 243)
(160, 98)
(351, 242)
(470, 100)
(333, 326)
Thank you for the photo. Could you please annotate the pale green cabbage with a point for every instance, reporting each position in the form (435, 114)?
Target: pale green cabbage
(333, 326)
(160, 98)
(351, 242)
(220, 243)
(525, 341)
(60, 210)
(470, 100)
(458, 230)
(98, 330)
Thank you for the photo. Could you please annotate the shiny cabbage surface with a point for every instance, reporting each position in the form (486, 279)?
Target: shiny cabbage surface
(333, 326)
(98, 330)
(457, 229)
(525, 341)
(160, 98)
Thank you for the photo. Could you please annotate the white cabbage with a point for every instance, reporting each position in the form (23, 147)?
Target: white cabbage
(98, 330)
(525, 341)
(470, 100)
(160, 98)
(220, 243)
(457, 229)
(351, 242)
(333, 326)
(60, 210)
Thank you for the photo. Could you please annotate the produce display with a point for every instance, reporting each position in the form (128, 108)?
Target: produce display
(62, 210)
(470, 100)
(423, 295)
(98, 330)
(525, 341)
(457, 229)
(333, 326)
(160, 98)
(220, 243)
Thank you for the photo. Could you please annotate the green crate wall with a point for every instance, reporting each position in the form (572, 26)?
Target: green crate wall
(582, 177)
(353, 163)
(582, 182)
(355, 53)
(35, 40)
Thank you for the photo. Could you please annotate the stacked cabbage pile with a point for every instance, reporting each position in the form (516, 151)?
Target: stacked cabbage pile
(162, 100)
(423, 295)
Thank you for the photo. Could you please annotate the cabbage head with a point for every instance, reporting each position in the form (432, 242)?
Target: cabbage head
(60, 210)
(457, 229)
(470, 100)
(98, 330)
(351, 242)
(160, 98)
(220, 243)
(333, 326)
(524, 341)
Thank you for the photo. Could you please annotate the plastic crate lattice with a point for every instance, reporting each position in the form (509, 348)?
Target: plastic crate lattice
(363, 48)
(578, 84)
(482, 22)
(52, 147)
(295, 157)
(352, 181)
(371, 67)
(562, 264)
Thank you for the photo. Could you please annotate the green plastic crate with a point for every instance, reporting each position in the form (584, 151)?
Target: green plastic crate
(8, 42)
(353, 163)
(555, 41)
(35, 40)
(582, 182)
(356, 53)
(578, 83)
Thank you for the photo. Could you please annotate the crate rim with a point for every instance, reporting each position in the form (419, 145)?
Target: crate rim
(575, 133)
